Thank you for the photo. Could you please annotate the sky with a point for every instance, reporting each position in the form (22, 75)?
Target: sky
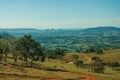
(59, 14)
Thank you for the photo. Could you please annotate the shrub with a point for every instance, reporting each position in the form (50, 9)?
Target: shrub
(75, 57)
(78, 63)
(97, 59)
(99, 70)
(114, 64)
(100, 51)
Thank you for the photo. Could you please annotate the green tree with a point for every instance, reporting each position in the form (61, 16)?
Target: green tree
(58, 53)
(1, 52)
(25, 43)
(4, 46)
(29, 48)
(36, 51)
(97, 67)
(54, 54)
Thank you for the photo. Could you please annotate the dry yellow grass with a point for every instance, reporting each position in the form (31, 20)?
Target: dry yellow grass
(110, 55)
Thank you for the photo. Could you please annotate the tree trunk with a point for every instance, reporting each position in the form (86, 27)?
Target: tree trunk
(31, 62)
(22, 61)
(26, 61)
(15, 57)
(0, 57)
(26, 58)
(6, 57)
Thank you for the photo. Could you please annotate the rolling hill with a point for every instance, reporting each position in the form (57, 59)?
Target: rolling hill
(72, 40)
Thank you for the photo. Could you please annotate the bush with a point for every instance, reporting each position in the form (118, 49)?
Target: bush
(99, 70)
(78, 63)
(114, 64)
(97, 59)
(100, 51)
(75, 57)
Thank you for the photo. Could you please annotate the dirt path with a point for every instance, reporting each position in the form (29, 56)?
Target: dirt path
(81, 76)
(87, 58)
(26, 76)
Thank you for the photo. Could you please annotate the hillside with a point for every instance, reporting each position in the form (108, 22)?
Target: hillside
(103, 29)
(25, 58)
(72, 40)
(54, 69)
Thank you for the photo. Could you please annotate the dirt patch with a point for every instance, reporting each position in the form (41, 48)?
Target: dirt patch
(81, 76)
(26, 76)
(87, 58)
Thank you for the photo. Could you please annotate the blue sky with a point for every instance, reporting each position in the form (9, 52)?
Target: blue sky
(44, 14)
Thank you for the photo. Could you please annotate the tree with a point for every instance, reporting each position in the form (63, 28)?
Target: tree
(97, 67)
(1, 53)
(36, 51)
(17, 49)
(4, 46)
(6, 51)
(58, 53)
(54, 54)
(49, 54)
(25, 43)
(29, 48)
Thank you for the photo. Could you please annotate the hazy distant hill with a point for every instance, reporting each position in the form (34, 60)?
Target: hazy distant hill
(20, 31)
(71, 39)
(103, 29)
(5, 34)
(108, 28)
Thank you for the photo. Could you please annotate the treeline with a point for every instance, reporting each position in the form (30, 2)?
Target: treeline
(26, 49)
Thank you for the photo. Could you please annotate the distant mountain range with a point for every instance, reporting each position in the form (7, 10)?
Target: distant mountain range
(109, 28)
(21, 31)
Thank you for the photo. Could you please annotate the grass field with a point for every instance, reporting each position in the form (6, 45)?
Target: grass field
(59, 70)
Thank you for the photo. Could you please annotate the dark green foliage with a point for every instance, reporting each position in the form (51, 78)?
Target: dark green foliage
(114, 64)
(99, 70)
(97, 67)
(96, 59)
(42, 58)
(99, 51)
(50, 54)
(5, 48)
(75, 57)
(29, 48)
(89, 50)
(58, 53)
(78, 63)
